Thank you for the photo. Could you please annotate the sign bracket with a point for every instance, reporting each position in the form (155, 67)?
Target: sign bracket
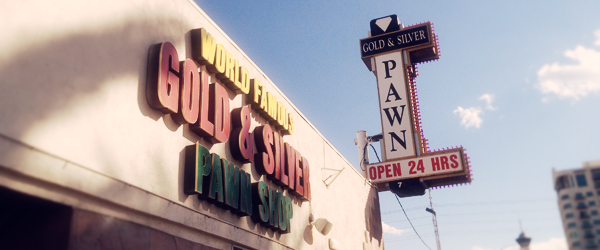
(334, 175)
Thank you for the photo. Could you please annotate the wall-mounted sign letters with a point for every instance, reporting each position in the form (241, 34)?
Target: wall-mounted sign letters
(184, 90)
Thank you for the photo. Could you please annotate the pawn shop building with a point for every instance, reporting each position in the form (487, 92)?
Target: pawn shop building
(142, 125)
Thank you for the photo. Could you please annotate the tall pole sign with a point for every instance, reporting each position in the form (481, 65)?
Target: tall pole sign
(392, 52)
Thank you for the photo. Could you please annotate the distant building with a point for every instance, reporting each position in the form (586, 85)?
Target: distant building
(578, 193)
(523, 241)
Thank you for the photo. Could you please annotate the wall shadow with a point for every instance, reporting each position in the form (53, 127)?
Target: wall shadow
(63, 69)
(373, 217)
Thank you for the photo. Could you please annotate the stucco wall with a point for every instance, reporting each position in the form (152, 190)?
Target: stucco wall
(76, 128)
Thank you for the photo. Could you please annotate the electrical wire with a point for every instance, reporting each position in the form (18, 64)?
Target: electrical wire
(424, 217)
(498, 202)
(398, 199)
(544, 219)
(375, 152)
(474, 213)
(362, 165)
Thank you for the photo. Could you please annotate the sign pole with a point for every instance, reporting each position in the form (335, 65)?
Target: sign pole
(437, 235)
(363, 151)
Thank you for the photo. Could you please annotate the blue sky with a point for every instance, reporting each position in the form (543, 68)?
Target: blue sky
(517, 84)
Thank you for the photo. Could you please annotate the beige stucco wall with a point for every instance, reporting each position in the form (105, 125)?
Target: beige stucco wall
(75, 127)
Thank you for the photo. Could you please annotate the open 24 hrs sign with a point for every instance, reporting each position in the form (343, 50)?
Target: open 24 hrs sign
(443, 162)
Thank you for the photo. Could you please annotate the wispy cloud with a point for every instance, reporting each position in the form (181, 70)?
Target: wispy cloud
(480, 248)
(387, 229)
(489, 99)
(551, 244)
(572, 81)
(470, 117)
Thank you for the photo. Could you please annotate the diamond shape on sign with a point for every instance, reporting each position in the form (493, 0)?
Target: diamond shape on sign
(384, 23)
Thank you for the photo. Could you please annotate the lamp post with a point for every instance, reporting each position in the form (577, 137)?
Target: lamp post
(437, 235)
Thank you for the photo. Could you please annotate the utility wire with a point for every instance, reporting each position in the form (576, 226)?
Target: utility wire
(499, 212)
(543, 220)
(476, 231)
(470, 232)
(481, 213)
(501, 202)
(405, 220)
(470, 204)
(362, 165)
(409, 238)
(375, 152)
(365, 149)
(398, 199)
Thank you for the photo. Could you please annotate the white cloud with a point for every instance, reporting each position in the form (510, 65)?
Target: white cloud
(470, 116)
(387, 229)
(480, 248)
(572, 81)
(551, 244)
(489, 99)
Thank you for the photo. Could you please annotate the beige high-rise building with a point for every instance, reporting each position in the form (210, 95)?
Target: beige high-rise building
(578, 193)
